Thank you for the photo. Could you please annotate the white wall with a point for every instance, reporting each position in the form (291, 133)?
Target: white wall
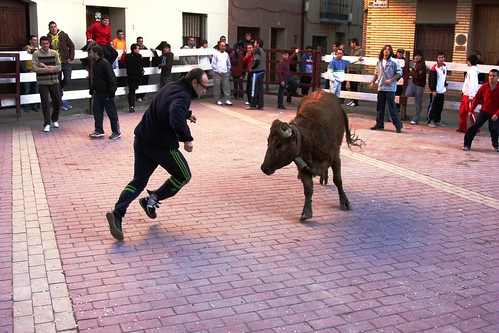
(155, 20)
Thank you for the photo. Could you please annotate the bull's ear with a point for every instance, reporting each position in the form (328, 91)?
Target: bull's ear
(285, 130)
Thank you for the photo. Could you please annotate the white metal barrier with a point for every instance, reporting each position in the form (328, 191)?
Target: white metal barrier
(366, 78)
(83, 74)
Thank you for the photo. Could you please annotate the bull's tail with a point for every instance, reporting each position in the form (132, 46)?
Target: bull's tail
(351, 138)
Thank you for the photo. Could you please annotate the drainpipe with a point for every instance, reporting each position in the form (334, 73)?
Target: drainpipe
(304, 10)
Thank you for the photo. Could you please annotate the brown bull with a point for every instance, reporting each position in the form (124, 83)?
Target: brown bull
(312, 140)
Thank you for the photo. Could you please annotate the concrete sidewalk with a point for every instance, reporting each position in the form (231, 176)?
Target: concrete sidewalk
(418, 252)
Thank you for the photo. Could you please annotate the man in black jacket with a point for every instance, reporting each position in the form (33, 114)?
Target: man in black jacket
(134, 73)
(103, 89)
(156, 142)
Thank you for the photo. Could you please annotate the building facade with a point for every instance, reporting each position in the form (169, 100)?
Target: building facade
(457, 27)
(154, 20)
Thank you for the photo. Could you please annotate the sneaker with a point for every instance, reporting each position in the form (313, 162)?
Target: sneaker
(219, 103)
(115, 136)
(432, 124)
(139, 100)
(246, 103)
(46, 128)
(413, 122)
(131, 109)
(55, 124)
(349, 103)
(496, 149)
(250, 108)
(399, 130)
(96, 135)
(228, 102)
(64, 108)
(114, 225)
(376, 128)
(466, 148)
(281, 107)
(150, 210)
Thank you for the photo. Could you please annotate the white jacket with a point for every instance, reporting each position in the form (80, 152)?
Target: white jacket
(470, 85)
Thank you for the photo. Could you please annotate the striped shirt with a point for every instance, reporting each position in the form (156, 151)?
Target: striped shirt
(49, 58)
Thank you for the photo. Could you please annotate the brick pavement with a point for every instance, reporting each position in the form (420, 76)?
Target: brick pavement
(418, 252)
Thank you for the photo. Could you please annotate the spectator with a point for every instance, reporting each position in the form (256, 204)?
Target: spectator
(204, 59)
(488, 97)
(220, 63)
(190, 60)
(286, 79)
(146, 62)
(236, 70)
(306, 70)
(482, 77)
(156, 143)
(336, 72)
(119, 44)
(60, 41)
(400, 89)
(243, 43)
(46, 65)
(417, 85)
(103, 89)
(247, 60)
(470, 87)
(356, 51)
(258, 66)
(134, 73)
(437, 82)
(27, 67)
(164, 64)
(100, 32)
(386, 73)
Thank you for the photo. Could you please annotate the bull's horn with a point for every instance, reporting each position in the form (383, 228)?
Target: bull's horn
(285, 130)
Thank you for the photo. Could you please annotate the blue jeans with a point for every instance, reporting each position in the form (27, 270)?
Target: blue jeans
(292, 83)
(480, 121)
(101, 102)
(387, 97)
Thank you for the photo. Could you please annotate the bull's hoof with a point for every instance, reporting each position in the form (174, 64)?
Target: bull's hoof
(345, 205)
(305, 216)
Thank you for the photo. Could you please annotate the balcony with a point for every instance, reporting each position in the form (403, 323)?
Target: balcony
(335, 11)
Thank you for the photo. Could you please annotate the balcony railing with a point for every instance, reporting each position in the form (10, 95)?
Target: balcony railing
(335, 11)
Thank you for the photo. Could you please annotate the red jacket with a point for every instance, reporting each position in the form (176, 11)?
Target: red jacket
(99, 33)
(283, 71)
(488, 99)
(248, 59)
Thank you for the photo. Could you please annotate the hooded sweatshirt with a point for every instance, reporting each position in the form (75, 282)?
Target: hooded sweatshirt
(470, 85)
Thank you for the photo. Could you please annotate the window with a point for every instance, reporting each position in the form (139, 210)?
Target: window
(193, 25)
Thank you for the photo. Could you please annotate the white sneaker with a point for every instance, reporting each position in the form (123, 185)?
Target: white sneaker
(219, 103)
(227, 102)
(349, 103)
(55, 124)
(46, 128)
(246, 103)
(413, 122)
